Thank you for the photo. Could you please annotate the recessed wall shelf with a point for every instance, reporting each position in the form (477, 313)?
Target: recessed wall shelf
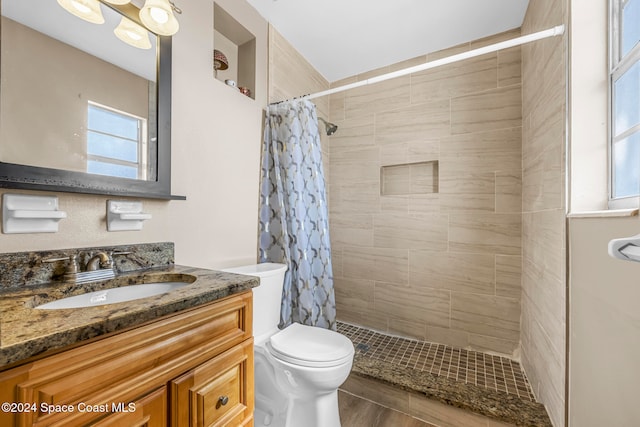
(239, 46)
(409, 178)
(30, 214)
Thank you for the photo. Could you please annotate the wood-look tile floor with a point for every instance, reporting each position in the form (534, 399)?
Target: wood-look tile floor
(358, 412)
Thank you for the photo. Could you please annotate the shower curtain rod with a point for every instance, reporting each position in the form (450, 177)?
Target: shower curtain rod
(551, 32)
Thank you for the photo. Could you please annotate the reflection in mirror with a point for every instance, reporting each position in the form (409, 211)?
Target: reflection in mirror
(75, 97)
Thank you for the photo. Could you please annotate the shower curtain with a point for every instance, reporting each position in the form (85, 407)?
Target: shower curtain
(294, 228)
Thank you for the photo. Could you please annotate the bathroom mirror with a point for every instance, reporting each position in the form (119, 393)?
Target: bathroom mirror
(81, 110)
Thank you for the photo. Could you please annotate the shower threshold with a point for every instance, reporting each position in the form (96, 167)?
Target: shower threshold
(488, 385)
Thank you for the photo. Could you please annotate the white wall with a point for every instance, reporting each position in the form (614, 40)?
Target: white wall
(216, 134)
(604, 326)
(604, 321)
(588, 106)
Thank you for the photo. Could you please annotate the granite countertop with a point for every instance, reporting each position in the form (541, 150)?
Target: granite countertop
(500, 406)
(26, 332)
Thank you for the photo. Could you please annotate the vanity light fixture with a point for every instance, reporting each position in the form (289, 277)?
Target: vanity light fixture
(120, 2)
(89, 10)
(132, 34)
(158, 17)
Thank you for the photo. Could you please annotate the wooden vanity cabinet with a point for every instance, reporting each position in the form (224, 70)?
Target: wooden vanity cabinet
(194, 368)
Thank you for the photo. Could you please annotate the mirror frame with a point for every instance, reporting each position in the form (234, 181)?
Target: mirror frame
(48, 179)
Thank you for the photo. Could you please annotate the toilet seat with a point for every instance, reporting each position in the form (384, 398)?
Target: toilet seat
(311, 346)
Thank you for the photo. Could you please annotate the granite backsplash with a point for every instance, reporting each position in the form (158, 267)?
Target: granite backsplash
(21, 269)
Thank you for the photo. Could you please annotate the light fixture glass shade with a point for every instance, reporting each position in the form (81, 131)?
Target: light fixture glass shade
(118, 1)
(89, 10)
(157, 16)
(132, 34)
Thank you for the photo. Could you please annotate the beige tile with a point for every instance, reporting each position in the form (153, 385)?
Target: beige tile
(396, 204)
(395, 180)
(495, 38)
(508, 191)
(415, 123)
(484, 232)
(490, 110)
(426, 231)
(353, 133)
(366, 319)
(409, 152)
(543, 239)
(373, 73)
(509, 67)
(351, 230)
(496, 345)
(466, 191)
(460, 272)
(490, 151)
(358, 165)
(423, 203)
(407, 328)
(448, 336)
(508, 276)
(343, 82)
(461, 78)
(355, 198)
(384, 264)
(290, 75)
(354, 294)
(384, 96)
(418, 60)
(336, 107)
(336, 261)
(413, 304)
(454, 50)
(492, 316)
(424, 177)
(394, 154)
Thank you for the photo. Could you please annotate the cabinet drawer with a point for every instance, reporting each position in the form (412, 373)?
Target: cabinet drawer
(216, 393)
(150, 411)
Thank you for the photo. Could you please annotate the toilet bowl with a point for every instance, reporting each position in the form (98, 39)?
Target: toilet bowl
(297, 369)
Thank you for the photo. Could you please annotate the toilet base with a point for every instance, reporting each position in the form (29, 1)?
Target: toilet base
(320, 411)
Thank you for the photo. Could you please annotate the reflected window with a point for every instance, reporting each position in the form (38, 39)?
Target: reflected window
(625, 101)
(116, 143)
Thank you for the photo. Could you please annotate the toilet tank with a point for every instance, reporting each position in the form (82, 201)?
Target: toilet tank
(267, 297)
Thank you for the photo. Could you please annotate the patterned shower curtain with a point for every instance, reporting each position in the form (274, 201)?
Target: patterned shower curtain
(294, 228)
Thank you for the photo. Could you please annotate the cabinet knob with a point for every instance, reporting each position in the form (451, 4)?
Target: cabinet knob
(222, 400)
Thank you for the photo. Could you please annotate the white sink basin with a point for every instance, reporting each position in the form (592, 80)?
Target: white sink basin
(112, 296)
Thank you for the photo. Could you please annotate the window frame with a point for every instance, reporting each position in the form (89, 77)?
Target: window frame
(142, 144)
(617, 67)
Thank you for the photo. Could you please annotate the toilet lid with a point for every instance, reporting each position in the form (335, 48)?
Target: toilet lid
(311, 346)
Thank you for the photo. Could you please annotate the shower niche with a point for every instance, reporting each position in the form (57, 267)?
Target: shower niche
(234, 53)
(409, 178)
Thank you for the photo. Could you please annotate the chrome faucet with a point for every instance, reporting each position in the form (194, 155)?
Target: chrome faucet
(99, 261)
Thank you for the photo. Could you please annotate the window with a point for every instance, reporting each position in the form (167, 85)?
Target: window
(116, 143)
(625, 101)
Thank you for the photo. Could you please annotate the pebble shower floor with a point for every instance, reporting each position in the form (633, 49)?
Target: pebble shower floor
(472, 367)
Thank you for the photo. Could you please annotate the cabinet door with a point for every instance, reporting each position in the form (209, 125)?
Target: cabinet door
(217, 393)
(150, 411)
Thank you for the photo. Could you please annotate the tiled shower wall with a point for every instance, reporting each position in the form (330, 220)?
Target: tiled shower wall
(543, 207)
(441, 260)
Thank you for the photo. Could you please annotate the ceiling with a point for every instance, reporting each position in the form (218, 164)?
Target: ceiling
(341, 38)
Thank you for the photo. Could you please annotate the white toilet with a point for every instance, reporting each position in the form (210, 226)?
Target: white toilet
(298, 369)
